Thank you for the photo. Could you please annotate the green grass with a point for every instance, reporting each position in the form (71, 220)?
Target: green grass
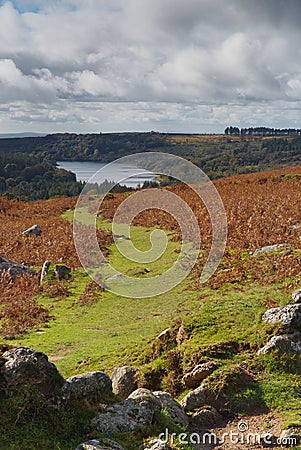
(224, 325)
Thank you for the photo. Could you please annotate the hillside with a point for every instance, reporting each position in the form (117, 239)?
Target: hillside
(27, 165)
(83, 328)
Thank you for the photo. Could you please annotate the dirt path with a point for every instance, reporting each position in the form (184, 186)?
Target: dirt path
(240, 434)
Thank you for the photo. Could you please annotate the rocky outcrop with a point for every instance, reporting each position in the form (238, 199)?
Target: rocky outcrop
(92, 388)
(287, 343)
(198, 374)
(126, 416)
(100, 444)
(174, 410)
(124, 381)
(35, 230)
(14, 269)
(289, 316)
(23, 365)
(207, 417)
(196, 399)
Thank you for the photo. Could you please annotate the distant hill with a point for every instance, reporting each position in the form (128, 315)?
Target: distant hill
(20, 135)
(217, 155)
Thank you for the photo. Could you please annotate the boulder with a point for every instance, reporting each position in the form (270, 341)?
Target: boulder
(100, 444)
(204, 418)
(14, 269)
(296, 296)
(92, 388)
(124, 381)
(35, 230)
(290, 437)
(287, 343)
(289, 316)
(271, 248)
(198, 374)
(62, 272)
(24, 365)
(143, 395)
(126, 416)
(156, 444)
(196, 399)
(174, 411)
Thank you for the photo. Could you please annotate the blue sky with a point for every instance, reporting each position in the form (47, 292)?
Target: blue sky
(166, 65)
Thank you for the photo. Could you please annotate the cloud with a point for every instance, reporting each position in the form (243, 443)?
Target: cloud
(175, 59)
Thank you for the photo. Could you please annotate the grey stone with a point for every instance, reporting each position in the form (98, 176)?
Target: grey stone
(44, 271)
(270, 248)
(296, 296)
(92, 388)
(287, 343)
(124, 381)
(13, 269)
(100, 444)
(25, 365)
(195, 399)
(198, 374)
(126, 416)
(62, 272)
(204, 418)
(289, 316)
(290, 437)
(174, 410)
(35, 230)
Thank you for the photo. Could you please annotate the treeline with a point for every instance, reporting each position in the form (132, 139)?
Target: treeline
(262, 131)
(28, 165)
(31, 177)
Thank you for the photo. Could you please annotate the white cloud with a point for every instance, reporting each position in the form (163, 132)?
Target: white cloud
(181, 63)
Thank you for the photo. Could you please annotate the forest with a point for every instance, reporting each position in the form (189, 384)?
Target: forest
(28, 165)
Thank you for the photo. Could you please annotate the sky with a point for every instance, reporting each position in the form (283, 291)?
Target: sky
(192, 66)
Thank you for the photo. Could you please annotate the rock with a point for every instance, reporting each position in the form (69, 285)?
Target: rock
(289, 316)
(198, 374)
(156, 444)
(287, 343)
(174, 411)
(23, 365)
(144, 395)
(45, 269)
(124, 381)
(62, 272)
(204, 418)
(13, 269)
(290, 437)
(270, 248)
(181, 335)
(35, 230)
(164, 336)
(201, 396)
(126, 416)
(100, 444)
(91, 388)
(296, 296)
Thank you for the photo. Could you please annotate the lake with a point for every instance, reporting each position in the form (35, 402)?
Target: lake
(123, 173)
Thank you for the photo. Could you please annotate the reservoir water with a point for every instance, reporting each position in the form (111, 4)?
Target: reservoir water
(125, 174)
